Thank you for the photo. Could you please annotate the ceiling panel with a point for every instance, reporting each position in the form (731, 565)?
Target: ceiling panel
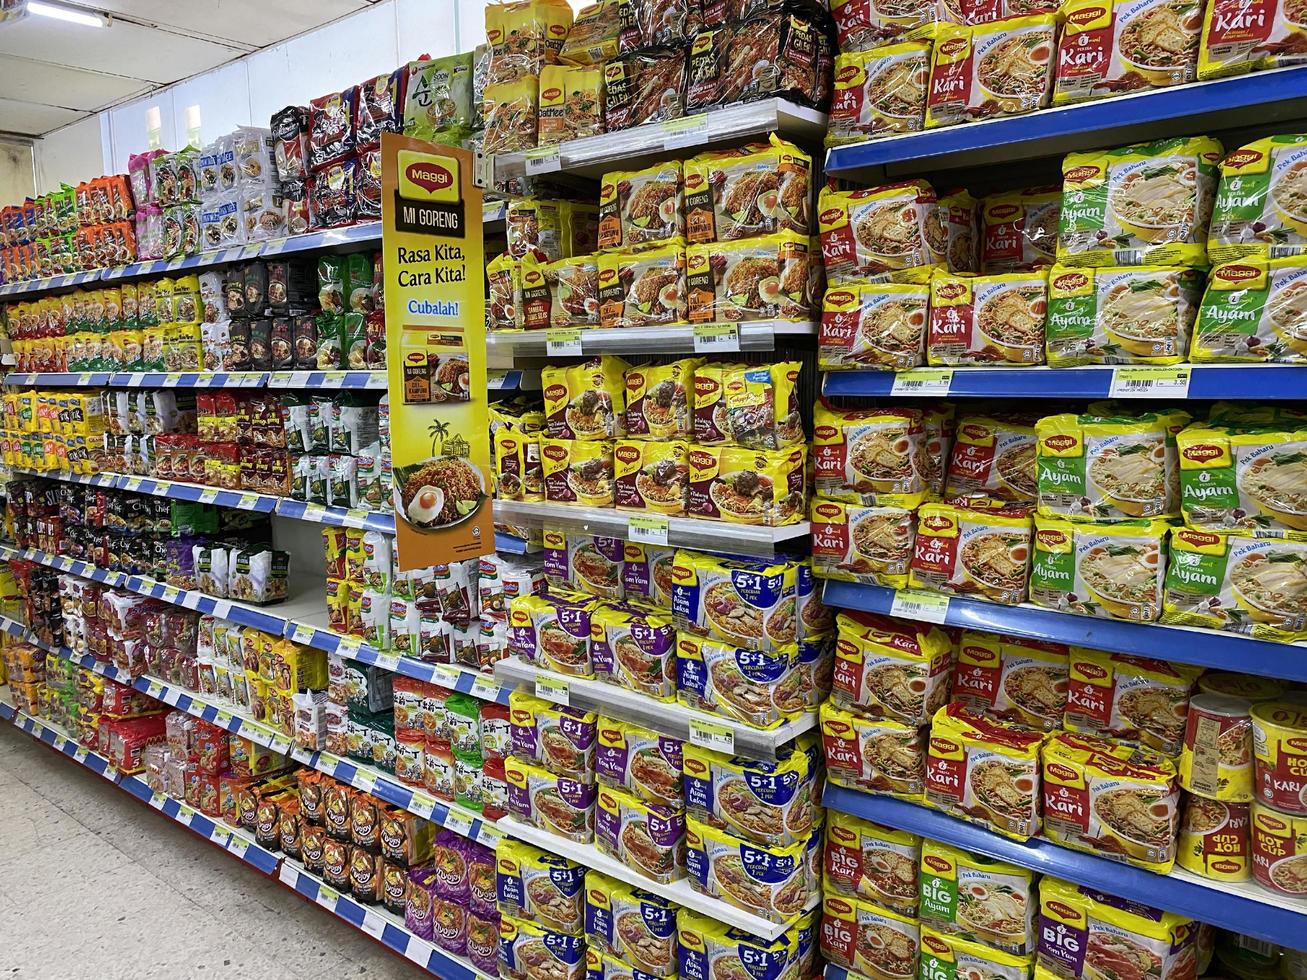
(31, 119)
(157, 57)
(251, 22)
(59, 85)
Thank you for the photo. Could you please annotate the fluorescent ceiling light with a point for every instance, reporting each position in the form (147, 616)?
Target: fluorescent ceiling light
(85, 18)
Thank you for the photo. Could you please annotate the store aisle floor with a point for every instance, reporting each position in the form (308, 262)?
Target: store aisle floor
(92, 884)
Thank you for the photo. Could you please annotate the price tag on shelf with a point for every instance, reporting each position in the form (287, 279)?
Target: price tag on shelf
(314, 512)
(447, 675)
(373, 924)
(418, 950)
(238, 845)
(563, 343)
(349, 646)
(302, 633)
(365, 781)
(222, 719)
(716, 338)
(282, 379)
(387, 661)
(208, 496)
(154, 689)
(459, 823)
(81, 754)
(423, 804)
(327, 897)
(171, 593)
(156, 799)
(60, 743)
(488, 836)
(485, 689)
(708, 735)
(686, 131)
(1150, 382)
(553, 689)
(185, 814)
(647, 530)
(925, 606)
(495, 379)
(132, 483)
(222, 609)
(247, 501)
(220, 835)
(923, 381)
(543, 160)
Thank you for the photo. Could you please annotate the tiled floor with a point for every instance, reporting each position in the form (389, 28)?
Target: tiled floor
(95, 885)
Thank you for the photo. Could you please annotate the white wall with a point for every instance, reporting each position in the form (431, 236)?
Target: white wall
(248, 91)
(16, 179)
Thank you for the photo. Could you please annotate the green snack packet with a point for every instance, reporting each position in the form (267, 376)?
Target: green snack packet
(331, 284)
(353, 341)
(358, 283)
(438, 98)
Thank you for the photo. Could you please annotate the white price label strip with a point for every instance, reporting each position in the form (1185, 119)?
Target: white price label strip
(923, 381)
(716, 338)
(563, 343)
(373, 924)
(238, 845)
(647, 530)
(688, 131)
(553, 689)
(458, 823)
(924, 606)
(707, 735)
(1150, 382)
(543, 160)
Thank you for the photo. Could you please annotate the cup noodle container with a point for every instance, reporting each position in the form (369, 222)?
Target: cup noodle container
(1214, 841)
(1216, 759)
(1280, 753)
(1279, 861)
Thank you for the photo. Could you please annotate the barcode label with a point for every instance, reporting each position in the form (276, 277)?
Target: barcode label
(717, 338)
(923, 381)
(1127, 256)
(1150, 382)
(924, 606)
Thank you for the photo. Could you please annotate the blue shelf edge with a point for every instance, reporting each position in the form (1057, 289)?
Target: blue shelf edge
(1267, 919)
(1244, 100)
(1266, 381)
(1203, 648)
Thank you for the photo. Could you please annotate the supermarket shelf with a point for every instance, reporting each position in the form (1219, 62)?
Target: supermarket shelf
(344, 380)
(593, 155)
(139, 379)
(296, 622)
(758, 335)
(347, 239)
(679, 892)
(1182, 644)
(1243, 907)
(381, 925)
(1261, 98)
(215, 831)
(1205, 381)
(698, 727)
(682, 532)
(510, 544)
(369, 780)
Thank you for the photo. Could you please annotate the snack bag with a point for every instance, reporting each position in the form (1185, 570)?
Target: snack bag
(578, 471)
(571, 103)
(1131, 315)
(1150, 203)
(641, 207)
(525, 947)
(869, 456)
(1237, 582)
(984, 771)
(644, 763)
(765, 802)
(757, 688)
(651, 476)
(1239, 477)
(976, 899)
(871, 545)
(992, 69)
(1133, 699)
(510, 109)
(865, 860)
(746, 486)
(1100, 467)
(987, 320)
(759, 189)
(554, 803)
(992, 462)
(761, 278)
(634, 649)
(1011, 679)
(887, 668)
(1109, 48)
(879, 92)
(767, 881)
(868, 939)
(644, 288)
(948, 957)
(659, 398)
(744, 601)
(861, 25)
(1256, 210)
(1234, 45)
(1111, 799)
(965, 551)
(1114, 571)
(524, 37)
(1019, 230)
(879, 233)
(592, 38)
(584, 401)
(1249, 313)
(437, 102)
(873, 325)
